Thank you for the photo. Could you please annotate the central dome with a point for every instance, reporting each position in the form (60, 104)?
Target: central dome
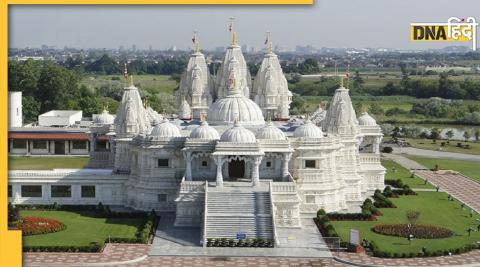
(235, 107)
(238, 134)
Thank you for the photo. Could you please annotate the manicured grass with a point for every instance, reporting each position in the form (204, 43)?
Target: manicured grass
(46, 163)
(452, 147)
(151, 83)
(468, 168)
(403, 174)
(82, 228)
(434, 209)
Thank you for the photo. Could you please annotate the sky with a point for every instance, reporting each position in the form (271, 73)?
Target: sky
(327, 23)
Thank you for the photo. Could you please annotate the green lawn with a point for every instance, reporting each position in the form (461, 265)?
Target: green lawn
(150, 83)
(452, 147)
(403, 174)
(82, 229)
(468, 168)
(434, 209)
(46, 163)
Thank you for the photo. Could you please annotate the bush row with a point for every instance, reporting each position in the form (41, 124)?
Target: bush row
(89, 248)
(405, 190)
(382, 201)
(424, 253)
(249, 242)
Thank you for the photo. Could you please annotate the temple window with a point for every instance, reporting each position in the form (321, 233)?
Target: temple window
(162, 163)
(268, 164)
(310, 164)
(61, 191)
(31, 190)
(88, 191)
(204, 163)
(310, 199)
(19, 143)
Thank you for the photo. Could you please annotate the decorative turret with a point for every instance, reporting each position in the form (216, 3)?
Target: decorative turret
(233, 60)
(341, 118)
(196, 84)
(270, 90)
(131, 118)
(185, 110)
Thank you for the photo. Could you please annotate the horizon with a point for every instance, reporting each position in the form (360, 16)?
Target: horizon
(316, 25)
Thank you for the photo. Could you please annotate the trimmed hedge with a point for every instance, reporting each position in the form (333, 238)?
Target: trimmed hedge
(425, 251)
(89, 248)
(249, 242)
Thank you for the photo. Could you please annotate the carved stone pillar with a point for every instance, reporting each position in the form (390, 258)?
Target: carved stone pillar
(219, 162)
(286, 159)
(188, 161)
(255, 171)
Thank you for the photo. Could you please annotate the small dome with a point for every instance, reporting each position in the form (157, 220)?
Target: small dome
(270, 132)
(104, 118)
(308, 130)
(366, 120)
(205, 131)
(165, 129)
(235, 107)
(238, 134)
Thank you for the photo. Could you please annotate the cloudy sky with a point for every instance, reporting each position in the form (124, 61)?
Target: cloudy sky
(328, 23)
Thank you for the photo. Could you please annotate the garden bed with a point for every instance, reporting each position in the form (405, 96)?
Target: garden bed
(417, 231)
(37, 226)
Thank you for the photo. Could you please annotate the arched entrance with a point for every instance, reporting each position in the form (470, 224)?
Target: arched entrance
(236, 169)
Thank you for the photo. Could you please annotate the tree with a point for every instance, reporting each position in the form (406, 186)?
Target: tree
(412, 216)
(449, 135)
(435, 134)
(358, 81)
(31, 108)
(477, 134)
(467, 135)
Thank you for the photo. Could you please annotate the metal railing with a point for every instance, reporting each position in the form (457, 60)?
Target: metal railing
(205, 210)
(272, 212)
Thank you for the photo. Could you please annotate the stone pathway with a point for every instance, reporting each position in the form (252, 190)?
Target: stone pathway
(434, 154)
(128, 255)
(460, 187)
(405, 162)
(471, 259)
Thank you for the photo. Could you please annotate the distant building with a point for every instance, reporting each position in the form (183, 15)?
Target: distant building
(15, 115)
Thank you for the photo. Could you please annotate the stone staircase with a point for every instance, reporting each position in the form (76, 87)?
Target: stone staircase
(236, 209)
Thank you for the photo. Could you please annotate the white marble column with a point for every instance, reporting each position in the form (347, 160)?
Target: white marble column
(188, 160)
(255, 171)
(286, 159)
(219, 162)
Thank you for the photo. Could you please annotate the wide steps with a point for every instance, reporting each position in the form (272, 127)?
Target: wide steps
(229, 213)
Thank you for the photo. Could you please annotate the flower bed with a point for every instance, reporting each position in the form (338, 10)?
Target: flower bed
(37, 226)
(249, 242)
(418, 231)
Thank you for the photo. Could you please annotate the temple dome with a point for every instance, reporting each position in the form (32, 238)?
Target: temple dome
(205, 131)
(238, 134)
(366, 120)
(270, 132)
(238, 107)
(104, 118)
(308, 130)
(165, 129)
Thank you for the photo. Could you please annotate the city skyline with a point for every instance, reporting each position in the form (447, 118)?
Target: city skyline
(166, 26)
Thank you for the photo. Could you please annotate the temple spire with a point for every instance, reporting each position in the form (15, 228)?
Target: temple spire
(347, 75)
(131, 80)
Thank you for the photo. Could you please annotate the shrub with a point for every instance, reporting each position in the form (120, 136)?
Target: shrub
(387, 149)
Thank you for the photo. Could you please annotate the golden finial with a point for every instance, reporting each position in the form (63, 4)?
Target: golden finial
(364, 109)
(196, 43)
(232, 31)
(268, 42)
(106, 107)
(341, 81)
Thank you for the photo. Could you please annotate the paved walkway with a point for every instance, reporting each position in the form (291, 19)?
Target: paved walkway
(460, 187)
(127, 255)
(405, 162)
(434, 153)
(471, 259)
